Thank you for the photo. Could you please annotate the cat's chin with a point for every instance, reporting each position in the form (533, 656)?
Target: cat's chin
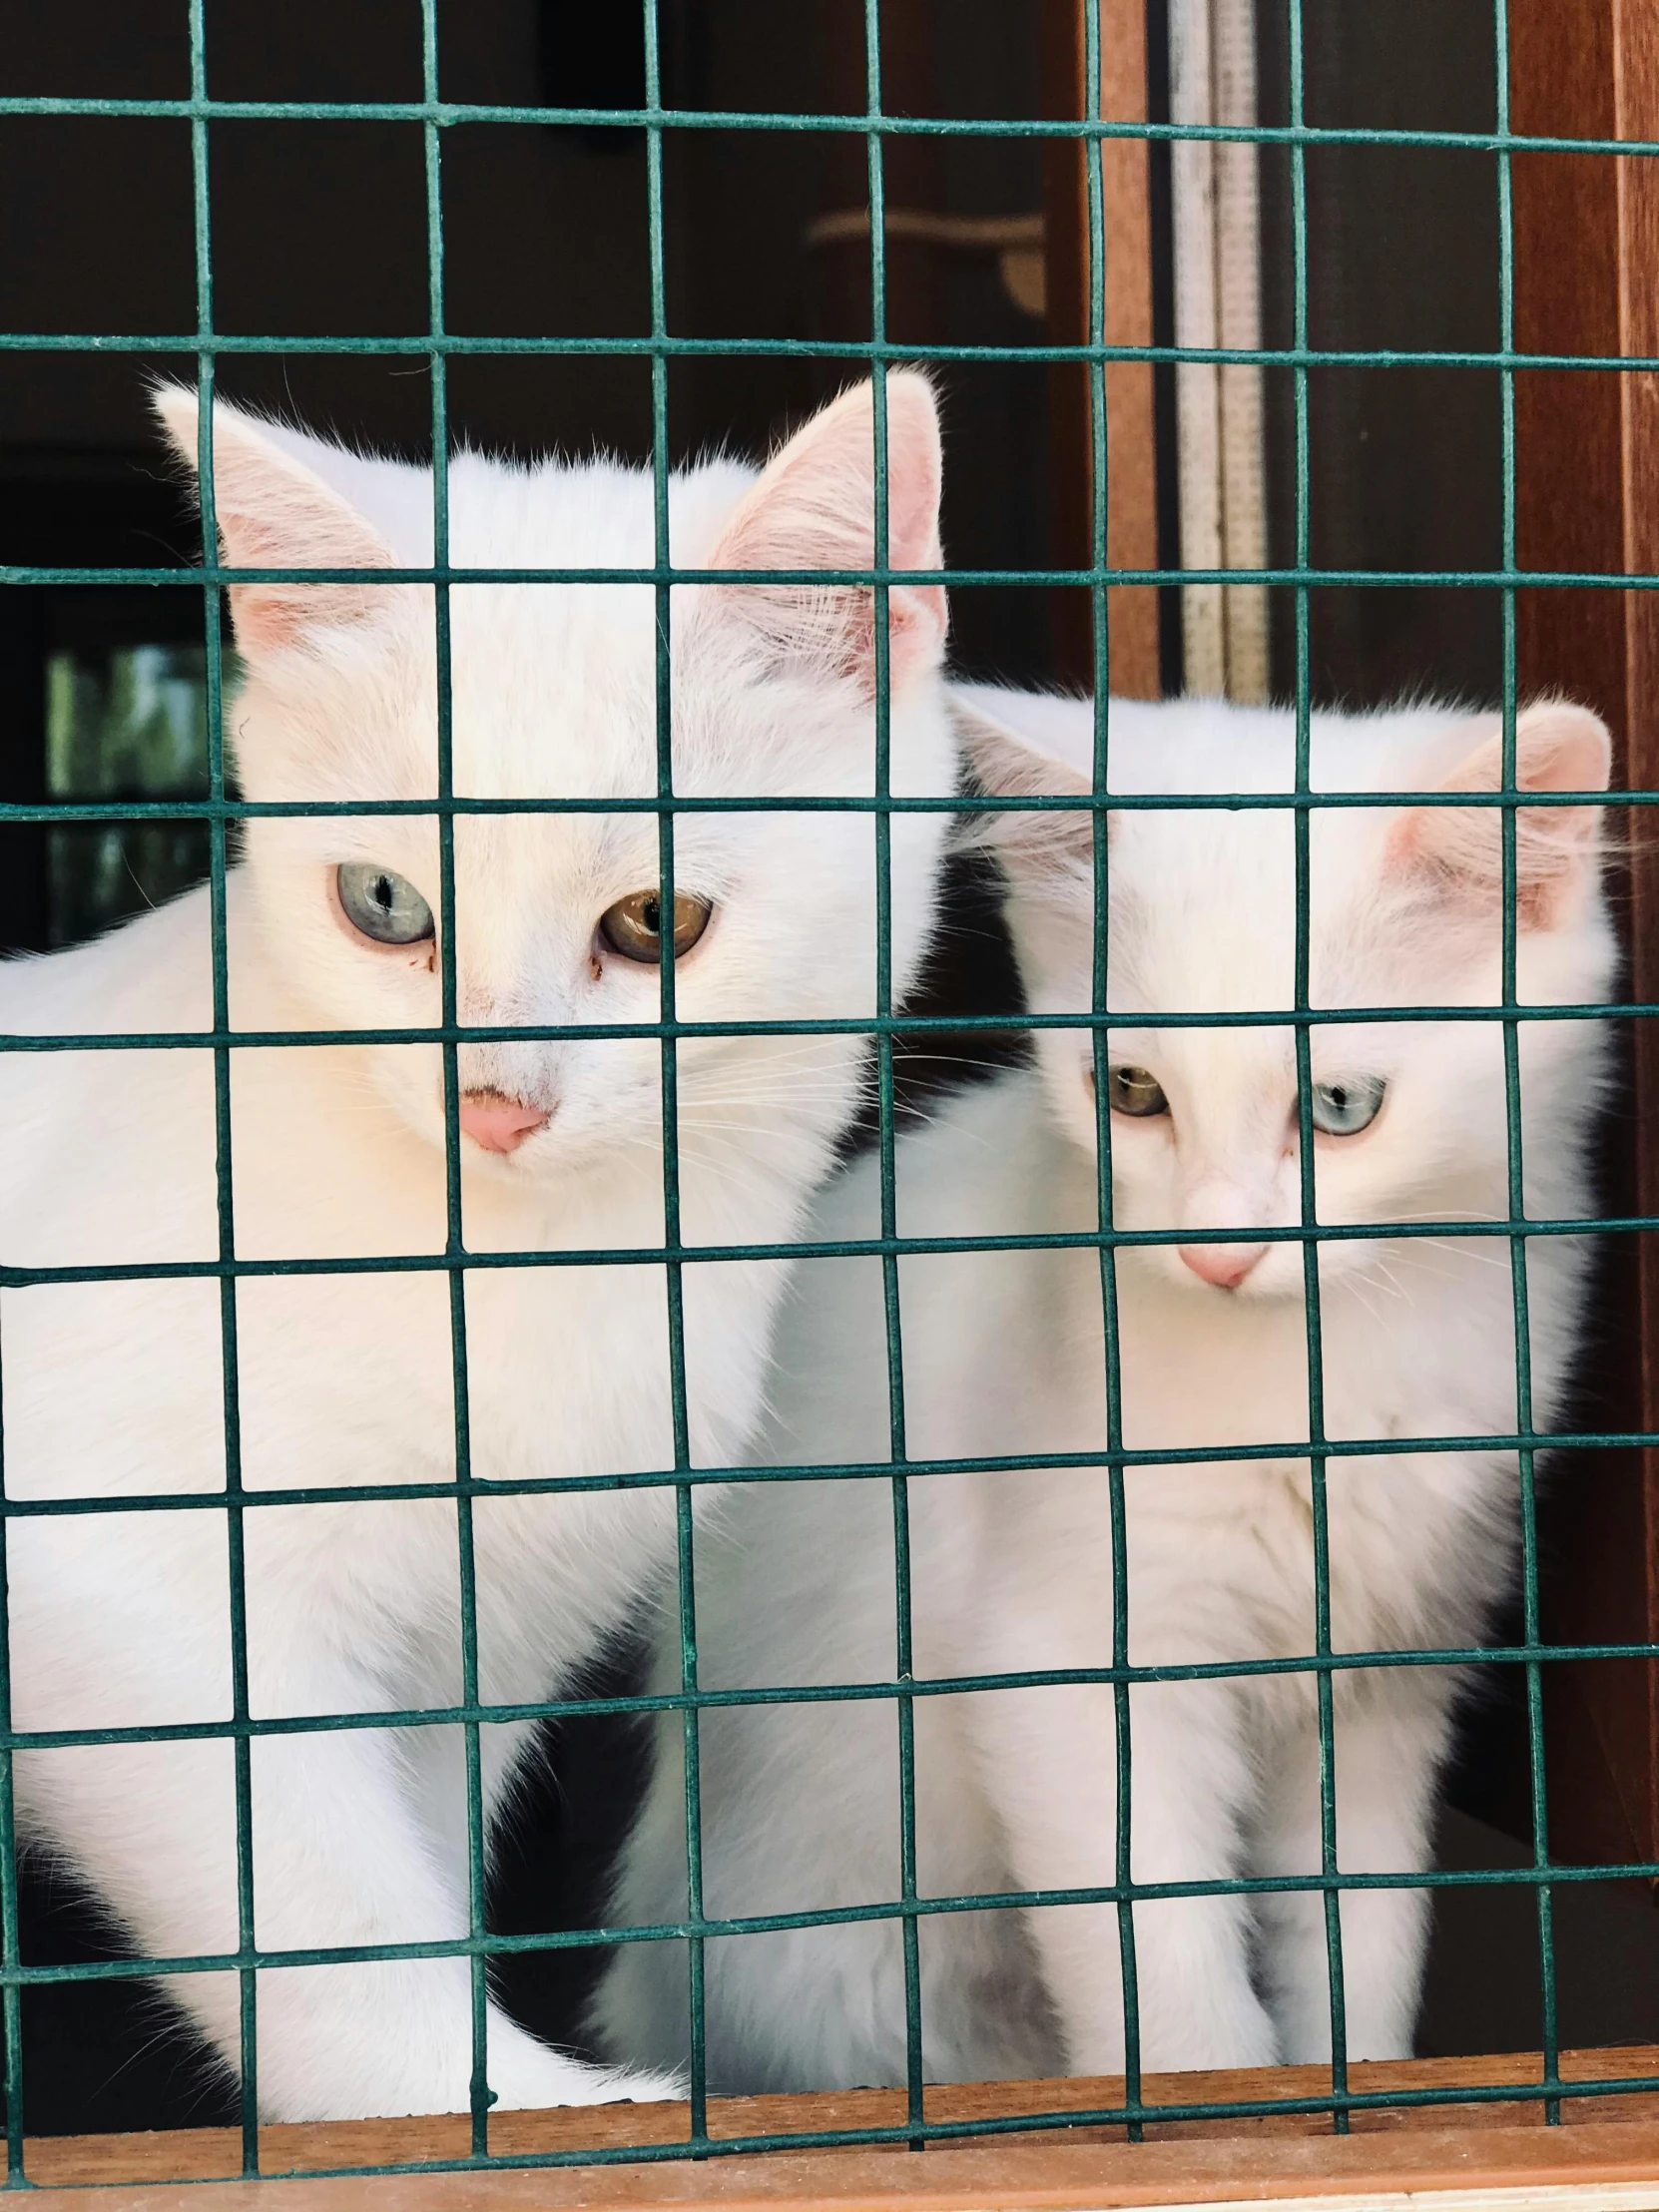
(528, 1162)
(539, 1161)
(1255, 1290)
(531, 1163)
(1277, 1279)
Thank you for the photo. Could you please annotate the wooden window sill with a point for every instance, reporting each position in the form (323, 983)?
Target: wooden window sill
(1604, 2157)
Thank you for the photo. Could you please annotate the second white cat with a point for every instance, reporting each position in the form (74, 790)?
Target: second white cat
(1004, 1353)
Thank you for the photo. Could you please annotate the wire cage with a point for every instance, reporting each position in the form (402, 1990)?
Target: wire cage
(1103, 577)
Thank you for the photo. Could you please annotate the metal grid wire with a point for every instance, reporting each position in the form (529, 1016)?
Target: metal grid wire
(436, 348)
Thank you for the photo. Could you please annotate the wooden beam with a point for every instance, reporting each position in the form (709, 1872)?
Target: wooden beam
(1131, 522)
(1586, 245)
(1272, 2157)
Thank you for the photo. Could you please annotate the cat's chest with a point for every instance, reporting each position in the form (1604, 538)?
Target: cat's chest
(542, 1365)
(1185, 1387)
(547, 1361)
(1198, 1374)
(1221, 1550)
(558, 1369)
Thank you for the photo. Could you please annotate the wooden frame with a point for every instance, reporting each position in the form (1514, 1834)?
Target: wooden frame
(1586, 233)
(1132, 520)
(1610, 2143)
(1586, 245)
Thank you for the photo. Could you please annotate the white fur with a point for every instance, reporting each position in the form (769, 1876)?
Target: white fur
(1003, 1353)
(115, 1389)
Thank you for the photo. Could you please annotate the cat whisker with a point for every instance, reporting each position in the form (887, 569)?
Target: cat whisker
(1360, 1284)
(1456, 1215)
(1462, 1248)
(790, 1095)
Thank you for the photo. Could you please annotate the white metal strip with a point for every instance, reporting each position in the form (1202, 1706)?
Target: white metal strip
(1216, 209)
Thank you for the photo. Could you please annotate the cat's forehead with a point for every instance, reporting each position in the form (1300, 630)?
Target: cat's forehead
(552, 690)
(557, 693)
(552, 684)
(1206, 902)
(555, 683)
(591, 515)
(1203, 909)
(1209, 748)
(1206, 919)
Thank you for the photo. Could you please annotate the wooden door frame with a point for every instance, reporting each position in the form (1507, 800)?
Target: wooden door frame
(1586, 282)
(1131, 458)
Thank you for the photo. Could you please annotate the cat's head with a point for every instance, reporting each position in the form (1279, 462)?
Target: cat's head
(1405, 907)
(555, 695)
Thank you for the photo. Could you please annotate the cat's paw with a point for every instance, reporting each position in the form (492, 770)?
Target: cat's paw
(534, 2078)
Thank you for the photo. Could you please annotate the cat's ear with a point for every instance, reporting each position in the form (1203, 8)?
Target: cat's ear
(273, 512)
(1032, 842)
(814, 507)
(1459, 850)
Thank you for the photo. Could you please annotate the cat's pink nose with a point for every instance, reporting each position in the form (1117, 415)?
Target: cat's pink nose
(499, 1123)
(1226, 1266)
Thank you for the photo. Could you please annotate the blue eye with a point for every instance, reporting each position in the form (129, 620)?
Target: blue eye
(385, 907)
(1344, 1109)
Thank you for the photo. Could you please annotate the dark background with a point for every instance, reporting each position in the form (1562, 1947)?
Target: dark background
(320, 229)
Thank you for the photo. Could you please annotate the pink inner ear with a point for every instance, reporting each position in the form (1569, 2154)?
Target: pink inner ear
(1559, 747)
(295, 532)
(814, 508)
(1031, 843)
(1404, 839)
(273, 512)
(913, 478)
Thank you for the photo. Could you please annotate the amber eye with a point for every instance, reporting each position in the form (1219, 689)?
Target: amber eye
(633, 925)
(1136, 1092)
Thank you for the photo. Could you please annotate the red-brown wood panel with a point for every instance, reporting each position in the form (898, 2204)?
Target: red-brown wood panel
(1586, 245)
(1131, 521)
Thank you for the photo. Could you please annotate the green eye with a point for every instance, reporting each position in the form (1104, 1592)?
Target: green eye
(385, 907)
(1344, 1109)
(1135, 1091)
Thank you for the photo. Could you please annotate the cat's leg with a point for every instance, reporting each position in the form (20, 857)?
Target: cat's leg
(1390, 1739)
(434, 1762)
(339, 1861)
(800, 1812)
(1051, 1757)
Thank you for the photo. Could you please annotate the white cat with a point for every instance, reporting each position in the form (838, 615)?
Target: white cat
(1003, 1354)
(113, 1390)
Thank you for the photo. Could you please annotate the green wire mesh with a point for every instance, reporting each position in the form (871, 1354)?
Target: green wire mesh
(436, 346)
